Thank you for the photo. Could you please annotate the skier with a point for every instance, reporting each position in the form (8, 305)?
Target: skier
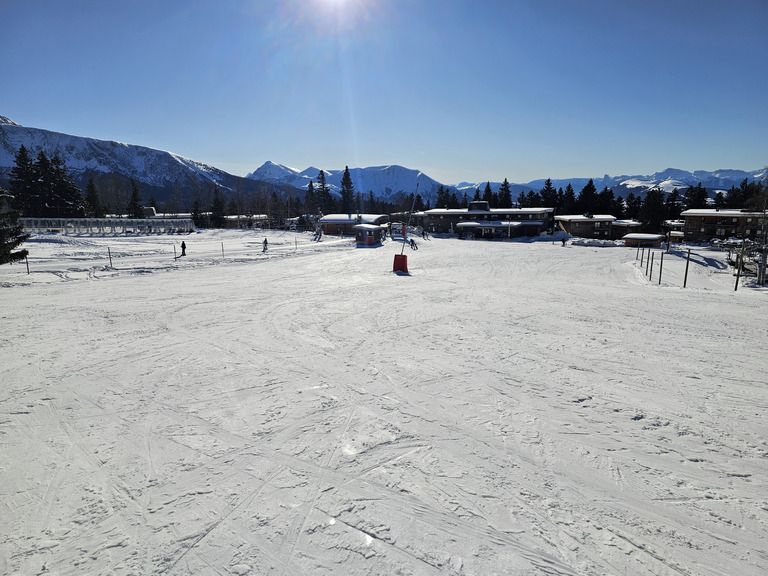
(265, 245)
(413, 244)
(183, 248)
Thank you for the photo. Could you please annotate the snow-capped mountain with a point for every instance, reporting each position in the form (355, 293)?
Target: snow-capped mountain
(386, 182)
(667, 180)
(161, 172)
(158, 171)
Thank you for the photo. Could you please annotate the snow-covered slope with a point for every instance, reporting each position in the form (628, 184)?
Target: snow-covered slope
(509, 408)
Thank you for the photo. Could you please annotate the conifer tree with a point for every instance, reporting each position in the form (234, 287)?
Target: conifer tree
(672, 203)
(653, 210)
(548, 195)
(569, 205)
(22, 179)
(64, 194)
(94, 207)
(505, 195)
(310, 200)
(587, 199)
(327, 203)
(218, 209)
(11, 232)
(135, 207)
(347, 192)
(605, 201)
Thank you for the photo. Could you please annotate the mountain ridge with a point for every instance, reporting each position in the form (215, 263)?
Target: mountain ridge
(162, 172)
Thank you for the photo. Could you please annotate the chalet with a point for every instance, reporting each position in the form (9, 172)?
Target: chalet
(586, 225)
(481, 221)
(704, 224)
(646, 240)
(344, 224)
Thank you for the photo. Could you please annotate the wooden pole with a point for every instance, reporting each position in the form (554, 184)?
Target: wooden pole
(661, 267)
(109, 252)
(687, 262)
(647, 263)
(638, 251)
(27, 261)
(650, 275)
(222, 249)
(174, 250)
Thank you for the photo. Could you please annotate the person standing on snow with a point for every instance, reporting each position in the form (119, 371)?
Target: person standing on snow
(183, 248)
(265, 245)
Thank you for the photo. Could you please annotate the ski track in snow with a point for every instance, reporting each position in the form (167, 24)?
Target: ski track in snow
(507, 408)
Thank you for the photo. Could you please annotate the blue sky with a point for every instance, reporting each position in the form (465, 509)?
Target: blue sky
(461, 90)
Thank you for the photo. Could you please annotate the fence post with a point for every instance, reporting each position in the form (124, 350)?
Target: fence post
(687, 262)
(661, 267)
(650, 275)
(27, 261)
(741, 262)
(222, 250)
(109, 252)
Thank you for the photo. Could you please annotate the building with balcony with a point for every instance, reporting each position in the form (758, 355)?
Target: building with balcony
(479, 220)
(587, 225)
(705, 224)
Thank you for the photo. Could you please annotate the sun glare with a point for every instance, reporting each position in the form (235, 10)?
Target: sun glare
(346, 13)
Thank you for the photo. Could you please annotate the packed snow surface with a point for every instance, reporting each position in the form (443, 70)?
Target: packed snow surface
(506, 408)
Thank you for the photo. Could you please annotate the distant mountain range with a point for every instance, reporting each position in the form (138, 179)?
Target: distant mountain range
(160, 173)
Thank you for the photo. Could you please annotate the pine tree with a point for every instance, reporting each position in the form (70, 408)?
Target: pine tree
(587, 200)
(548, 195)
(653, 210)
(505, 195)
(135, 207)
(618, 208)
(310, 200)
(11, 232)
(673, 204)
(695, 197)
(442, 198)
(218, 209)
(94, 207)
(634, 203)
(347, 192)
(197, 214)
(327, 202)
(22, 181)
(569, 205)
(605, 201)
(64, 196)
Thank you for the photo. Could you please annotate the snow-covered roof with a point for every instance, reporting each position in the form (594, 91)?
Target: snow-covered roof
(641, 236)
(492, 211)
(627, 223)
(368, 226)
(351, 218)
(585, 218)
(498, 223)
(716, 212)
